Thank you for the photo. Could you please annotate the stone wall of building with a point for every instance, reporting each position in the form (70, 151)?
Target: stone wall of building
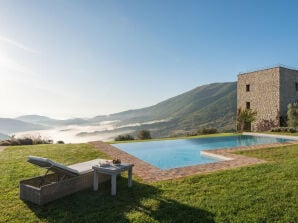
(288, 91)
(263, 94)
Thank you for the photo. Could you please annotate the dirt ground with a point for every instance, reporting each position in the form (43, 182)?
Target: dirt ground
(2, 148)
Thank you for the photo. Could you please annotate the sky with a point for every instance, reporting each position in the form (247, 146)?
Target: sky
(69, 58)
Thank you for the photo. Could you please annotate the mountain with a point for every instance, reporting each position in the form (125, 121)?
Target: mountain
(212, 105)
(43, 120)
(74, 121)
(37, 119)
(8, 126)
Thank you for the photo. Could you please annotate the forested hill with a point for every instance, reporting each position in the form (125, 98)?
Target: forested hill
(212, 105)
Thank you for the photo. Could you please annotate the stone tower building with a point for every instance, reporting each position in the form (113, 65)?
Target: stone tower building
(268, 92)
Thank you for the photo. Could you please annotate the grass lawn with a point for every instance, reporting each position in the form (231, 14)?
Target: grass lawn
(261, 193)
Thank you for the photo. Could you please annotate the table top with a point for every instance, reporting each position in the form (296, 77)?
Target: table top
(113, 168)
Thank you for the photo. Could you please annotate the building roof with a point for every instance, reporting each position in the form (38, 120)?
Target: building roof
(268, 68)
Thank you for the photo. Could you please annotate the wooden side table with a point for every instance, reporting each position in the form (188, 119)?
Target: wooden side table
(112, 170)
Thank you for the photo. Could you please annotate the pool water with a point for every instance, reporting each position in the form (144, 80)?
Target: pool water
(169, 154)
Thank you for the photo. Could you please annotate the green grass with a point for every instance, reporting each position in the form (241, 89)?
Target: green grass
(260, 193)
(182, 137)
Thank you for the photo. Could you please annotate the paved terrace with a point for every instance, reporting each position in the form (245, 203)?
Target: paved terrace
(150, 173)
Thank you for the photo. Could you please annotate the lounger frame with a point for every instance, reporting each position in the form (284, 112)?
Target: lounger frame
(52, 188)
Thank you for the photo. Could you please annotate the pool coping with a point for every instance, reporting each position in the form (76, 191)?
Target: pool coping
(150, 173)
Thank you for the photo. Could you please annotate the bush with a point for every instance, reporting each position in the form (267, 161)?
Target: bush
(284, 129)
(205, 131)
(232, 130)
(293, 115)
(265, 125)
(4, 143)
(191, 133)
(25, 141)
(144, 134)
(276, 129)
(60, 142)
(124, 137)
(292, 130)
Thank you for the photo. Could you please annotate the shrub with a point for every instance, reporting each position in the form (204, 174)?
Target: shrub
(292, 130)
(265, 125)
(204, 131)
(124, 137)
(232, 130)
(191, 133)
(144, 134)
(283, 120)
(25, 141)
(284, 129)
(293, 115)
(4, 143)
(60, 142)
(276, 130)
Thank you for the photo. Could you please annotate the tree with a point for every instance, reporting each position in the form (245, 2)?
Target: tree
(144, 134)
(293, 115)
(245, 118)
(124, 137)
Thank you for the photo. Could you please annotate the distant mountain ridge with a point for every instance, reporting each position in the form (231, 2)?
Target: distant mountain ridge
(9, 126)
(212, 105)
(43, 120)
(36, 119)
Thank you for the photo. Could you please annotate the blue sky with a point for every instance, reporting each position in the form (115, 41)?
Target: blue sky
(85, 58)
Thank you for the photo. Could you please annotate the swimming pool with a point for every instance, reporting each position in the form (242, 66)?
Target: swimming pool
(167, 154)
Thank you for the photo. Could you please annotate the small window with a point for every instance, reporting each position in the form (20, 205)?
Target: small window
(247, 105)
(248, 87)
(296, 86)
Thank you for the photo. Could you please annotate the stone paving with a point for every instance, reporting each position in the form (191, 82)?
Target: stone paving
(149, 173)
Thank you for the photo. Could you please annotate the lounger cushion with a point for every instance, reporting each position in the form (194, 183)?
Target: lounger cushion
(85, 167)
(75, 169)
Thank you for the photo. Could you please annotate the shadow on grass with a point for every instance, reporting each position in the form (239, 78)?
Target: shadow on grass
(141, 203)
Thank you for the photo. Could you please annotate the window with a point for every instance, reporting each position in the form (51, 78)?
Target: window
(247, 105)
(296, 86)
(248, 87)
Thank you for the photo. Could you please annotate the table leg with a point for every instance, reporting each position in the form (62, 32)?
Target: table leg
(130, 177)
(114, 183)
(95, 181)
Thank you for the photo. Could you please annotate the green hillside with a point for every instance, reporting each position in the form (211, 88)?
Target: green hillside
(212, 105)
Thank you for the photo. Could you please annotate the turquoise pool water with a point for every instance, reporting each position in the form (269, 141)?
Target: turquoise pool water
(169, 154)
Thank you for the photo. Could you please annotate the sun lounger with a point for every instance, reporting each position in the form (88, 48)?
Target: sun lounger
(72, 170)
(64, 181)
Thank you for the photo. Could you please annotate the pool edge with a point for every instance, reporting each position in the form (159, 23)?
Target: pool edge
(149, 173)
